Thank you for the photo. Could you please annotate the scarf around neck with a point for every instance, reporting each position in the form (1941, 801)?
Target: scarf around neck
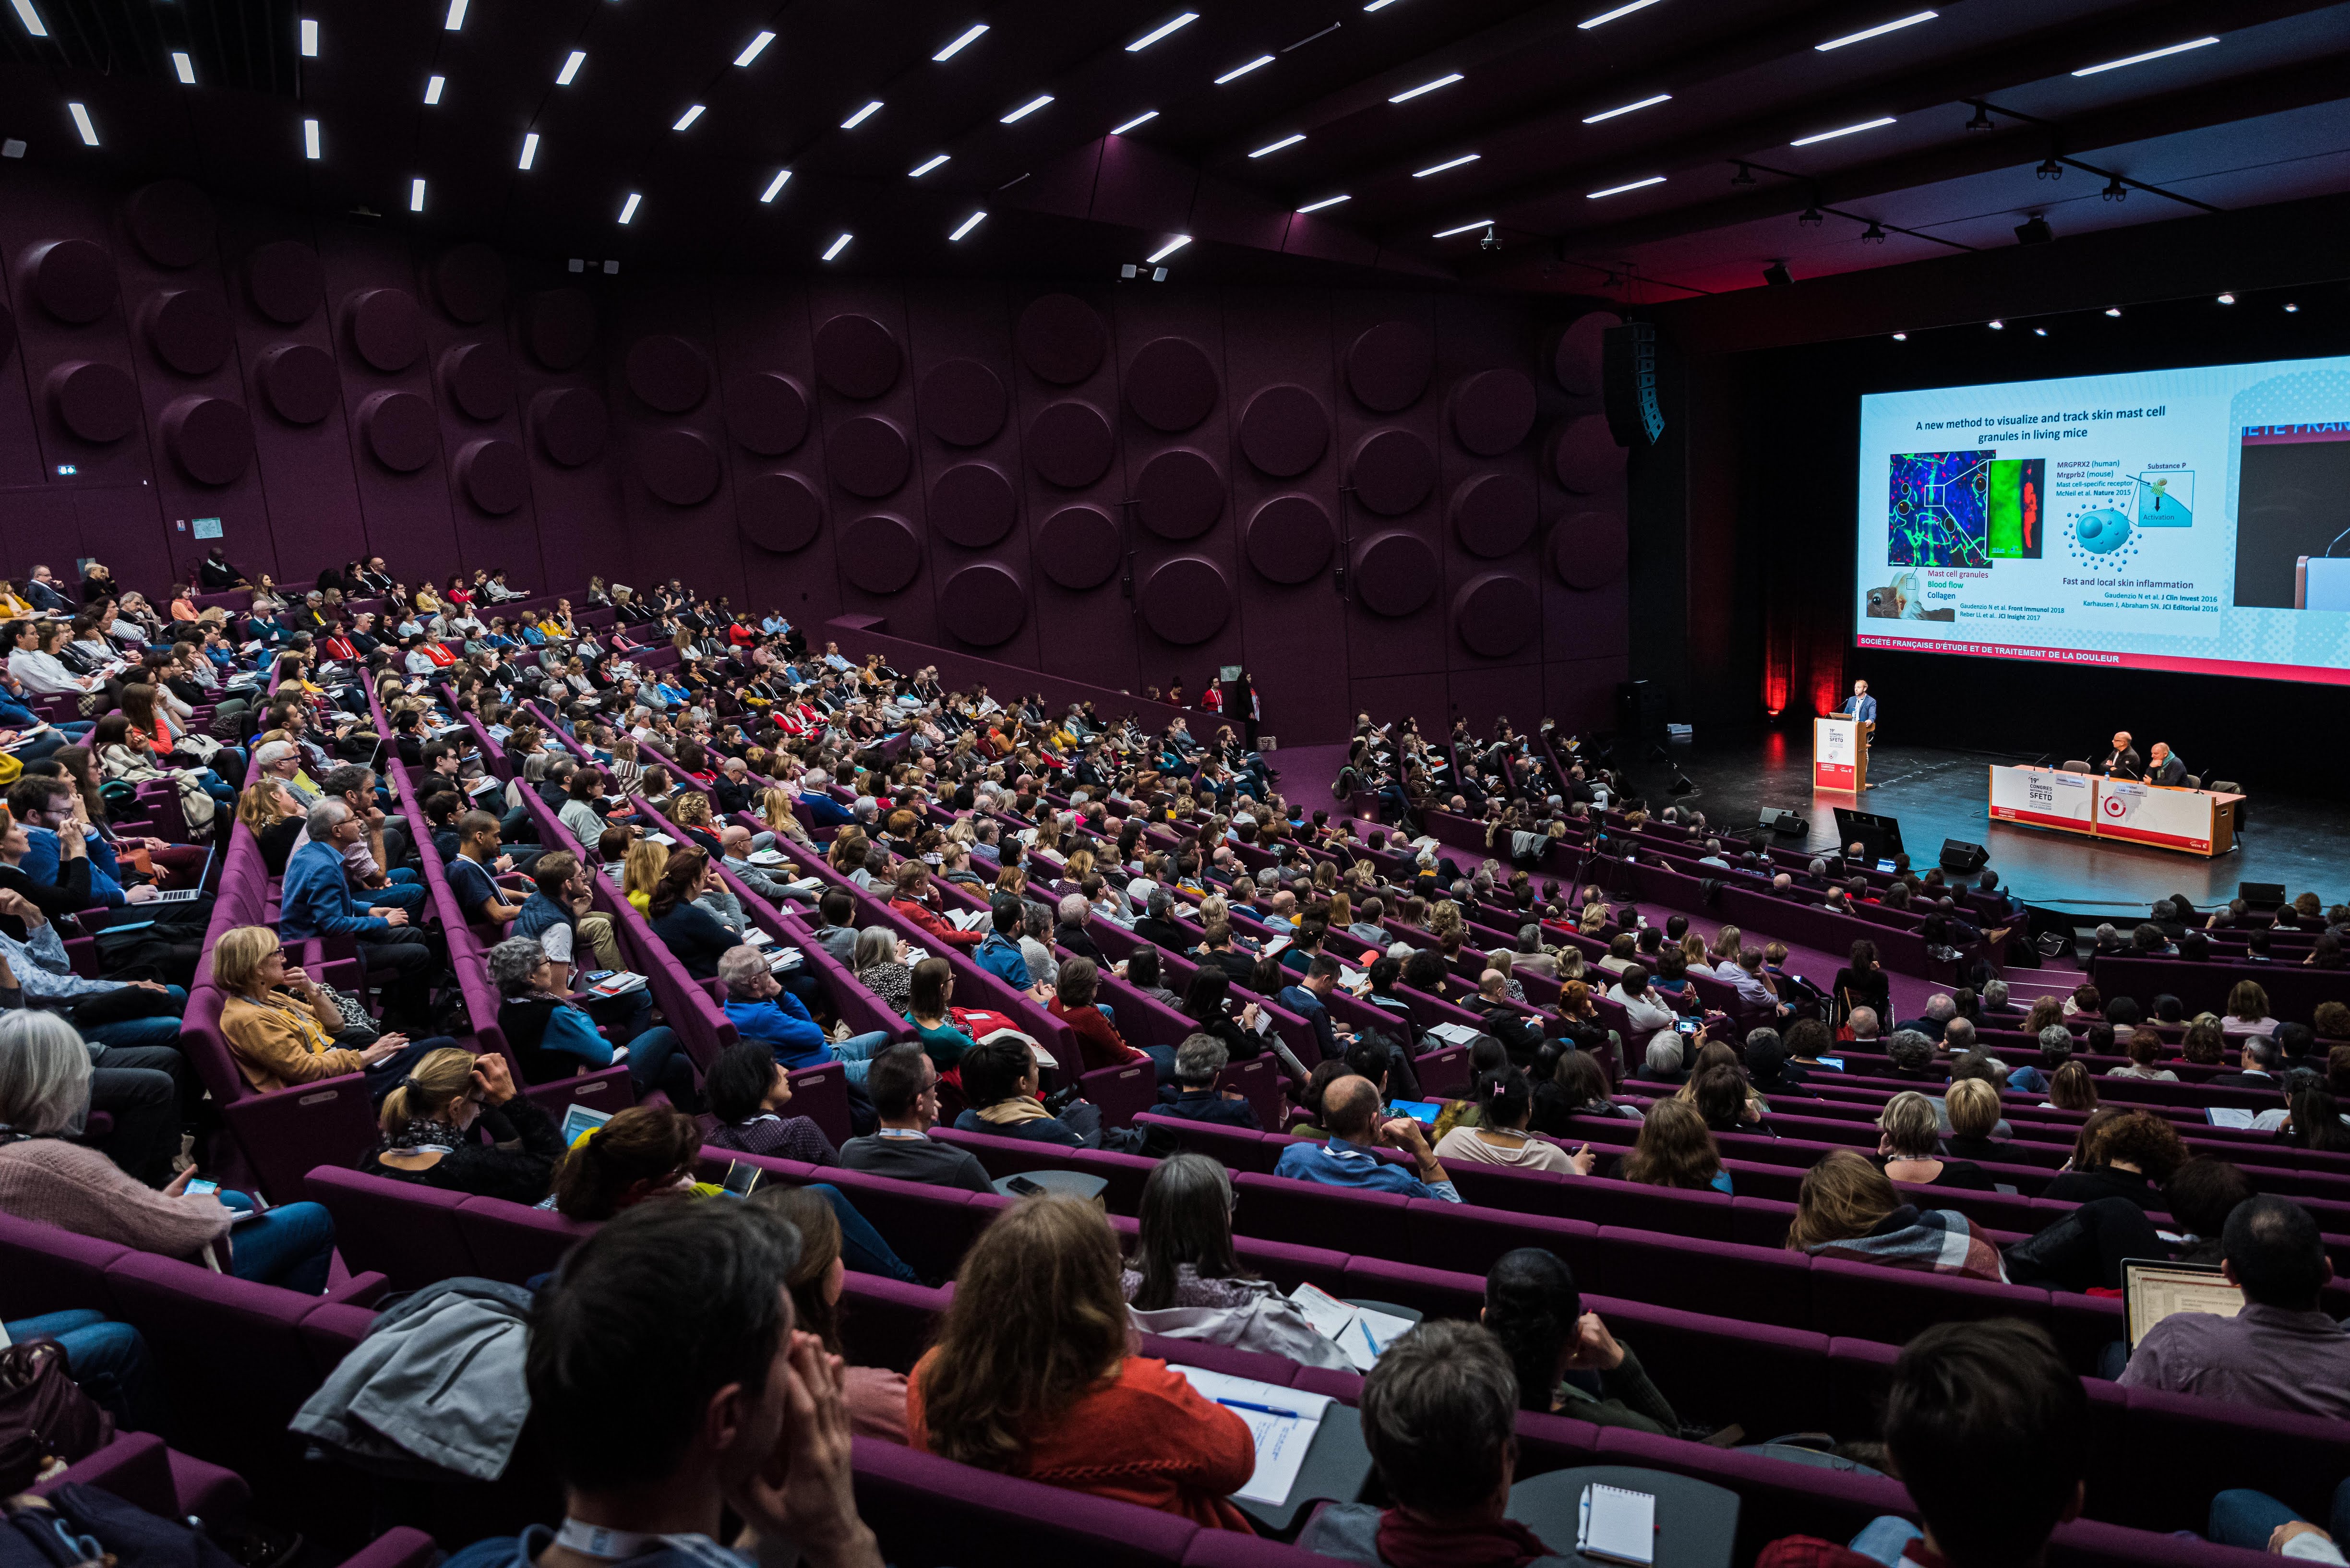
(1021, 1109)
(1408, 1543)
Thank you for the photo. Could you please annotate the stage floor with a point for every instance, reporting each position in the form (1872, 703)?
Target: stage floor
(1937, 794)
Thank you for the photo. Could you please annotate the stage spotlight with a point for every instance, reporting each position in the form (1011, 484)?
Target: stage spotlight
(2050, 169)
(1982, 121)
(2033, 231)
(2115, 190)
(1777, 275)
(1873, 234)
(1812, 218)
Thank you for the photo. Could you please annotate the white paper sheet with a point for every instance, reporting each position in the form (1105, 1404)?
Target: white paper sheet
(1283, 1422)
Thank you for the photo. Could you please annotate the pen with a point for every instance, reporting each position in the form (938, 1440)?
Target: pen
(1368, 1339)
(1260, 1409)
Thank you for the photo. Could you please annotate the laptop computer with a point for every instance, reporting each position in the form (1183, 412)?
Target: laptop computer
(2153, 1289)
(190, 895)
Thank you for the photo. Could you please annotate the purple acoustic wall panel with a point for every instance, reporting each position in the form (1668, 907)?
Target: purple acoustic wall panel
(1490, 522)
(968, 447)
(1175, 435)
(1282, 388)
(466, 290)
(302, 434)
(1579, 482)
(787, 529)
(1391, 422)
(184, 344)
(388, 400)
(866, 406)
(1065, 404)
(670, 437)
(558, 342)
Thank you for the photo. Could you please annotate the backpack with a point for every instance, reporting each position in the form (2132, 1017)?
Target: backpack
(44, 1420)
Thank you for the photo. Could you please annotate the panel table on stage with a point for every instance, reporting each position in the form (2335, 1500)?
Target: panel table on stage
(2191, 821)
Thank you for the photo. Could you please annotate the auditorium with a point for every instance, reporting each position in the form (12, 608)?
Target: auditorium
(1436, 783)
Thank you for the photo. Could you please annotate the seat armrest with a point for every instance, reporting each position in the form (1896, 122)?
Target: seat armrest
(360, 1290)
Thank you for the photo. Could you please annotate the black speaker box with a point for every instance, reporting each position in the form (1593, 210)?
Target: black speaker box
(1959, 856)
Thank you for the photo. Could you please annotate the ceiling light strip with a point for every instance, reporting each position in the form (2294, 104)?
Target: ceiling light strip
(1170, 248)
(1409, 93)
(1877, 32)
(1237, 72)
(775, 186)
(1325, 201)
(967, 225)
(1162, 30)
(1845, 131)
(1650, 102)
(969, 37)
(1607, 16)
(1619, 190)
(2149, 54)
(755, 47)
(1273, 147)
(1145, 118)
(1451, 164)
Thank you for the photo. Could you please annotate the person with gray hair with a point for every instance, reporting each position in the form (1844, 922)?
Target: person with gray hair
(1662, 1063)
(315, 900)
(1035, 945)
(1939, 1010)
(1994, 997)
(282, 760)
(1193, 1095)
(1912, 1056)
(1863, 1022)
(554, 1039)
(1440, 1416)
(762, 1010)
(1074, 912)
(45, 1095)
(1529, 957)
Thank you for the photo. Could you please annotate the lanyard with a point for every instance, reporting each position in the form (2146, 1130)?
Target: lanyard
(616, 1546)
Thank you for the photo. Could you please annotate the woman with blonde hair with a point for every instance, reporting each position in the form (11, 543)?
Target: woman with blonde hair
(428, 1130)
(1723, 958)
(1675, 1149)
(1033, 1375)
(283, 1029)
(1909, 1145)
(847, 851)
(642, 872)
(270, 812)
(1847, 1211)
(2248, 1007)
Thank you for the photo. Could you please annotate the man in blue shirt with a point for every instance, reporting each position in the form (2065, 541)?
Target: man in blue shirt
(48, 805)
(1350, 1109)
(815, 794)
(762, 1010)
(1000, 954)
(315, 900)
(1862, 706)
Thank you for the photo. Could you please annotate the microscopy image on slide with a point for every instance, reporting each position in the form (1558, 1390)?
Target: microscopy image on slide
(1964, 509)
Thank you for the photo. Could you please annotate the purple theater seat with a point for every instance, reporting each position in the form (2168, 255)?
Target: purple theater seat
(2172, 1451)
(1122, 1092)
(514, 1241)
(330, 1332)
(929, 1227)
(821, 1094)
(1468, 1238)
(2083, 1328)
(1776, 1497)
(930, 1512)
(1554, 1443)
(44, 1269)
(1759, 1222)
(1858, 1371)
(1443, 1075)
(888, 1323)
(1260, 1081)
(399, 1547)
(1769, 1286)
(135, 1467)
(1289, 1266)
(1259, 1365)
(1868, 1301)
(1502, 1186)
(407, 1231)
(1239, 1148)
(1004, 1156)
(1309, 1214)
(1701, 1216)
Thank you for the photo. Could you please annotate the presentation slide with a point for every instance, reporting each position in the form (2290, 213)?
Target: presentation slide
(2190, 519)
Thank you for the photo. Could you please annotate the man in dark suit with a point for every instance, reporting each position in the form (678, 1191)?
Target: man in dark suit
(2123, 760)
(1193, 1095)
(2167, 768)
(1158, 924)
(2259, 1064)
(1218, 943)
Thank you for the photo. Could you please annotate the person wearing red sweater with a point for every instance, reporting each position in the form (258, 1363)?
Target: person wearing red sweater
(1031, 1376)
(1099, 1040)
(916, 901)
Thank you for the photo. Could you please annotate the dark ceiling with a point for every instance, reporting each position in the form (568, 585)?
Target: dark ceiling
(2260, 115)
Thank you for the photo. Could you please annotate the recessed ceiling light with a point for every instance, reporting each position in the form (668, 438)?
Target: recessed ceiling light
(2040, 332)
(2292, 309)
(1607, 16)
(1650, 102)
(184, 66)
(1846, 130)
(1464, 228)
(919, 169)
(752, 50)
(1996, 326)
(1273, 147)
(629, 207)
(416, 195)
(775, 186)
(571, 65)
(2227, 299)
(310, 37)
(962, 43)
(967, 225)
(529, 150)
(1453, 163)
(1877, 32)
(310, 139)
(83, 124)
(1237, 72)
(31, 18)
(432, 86)
(1168, 249)
(456, 16)
(1409, 93)
(1145, 118)
(861, 116)
(838, 246)
(1901, 337)
(2113, 310)
(1152, 37)
(1025, 109)
(692, 113)
(2149, 54)
(1619, 190)
(1325, 201)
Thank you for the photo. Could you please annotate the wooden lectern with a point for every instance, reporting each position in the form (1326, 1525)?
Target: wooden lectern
(1839, 756)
